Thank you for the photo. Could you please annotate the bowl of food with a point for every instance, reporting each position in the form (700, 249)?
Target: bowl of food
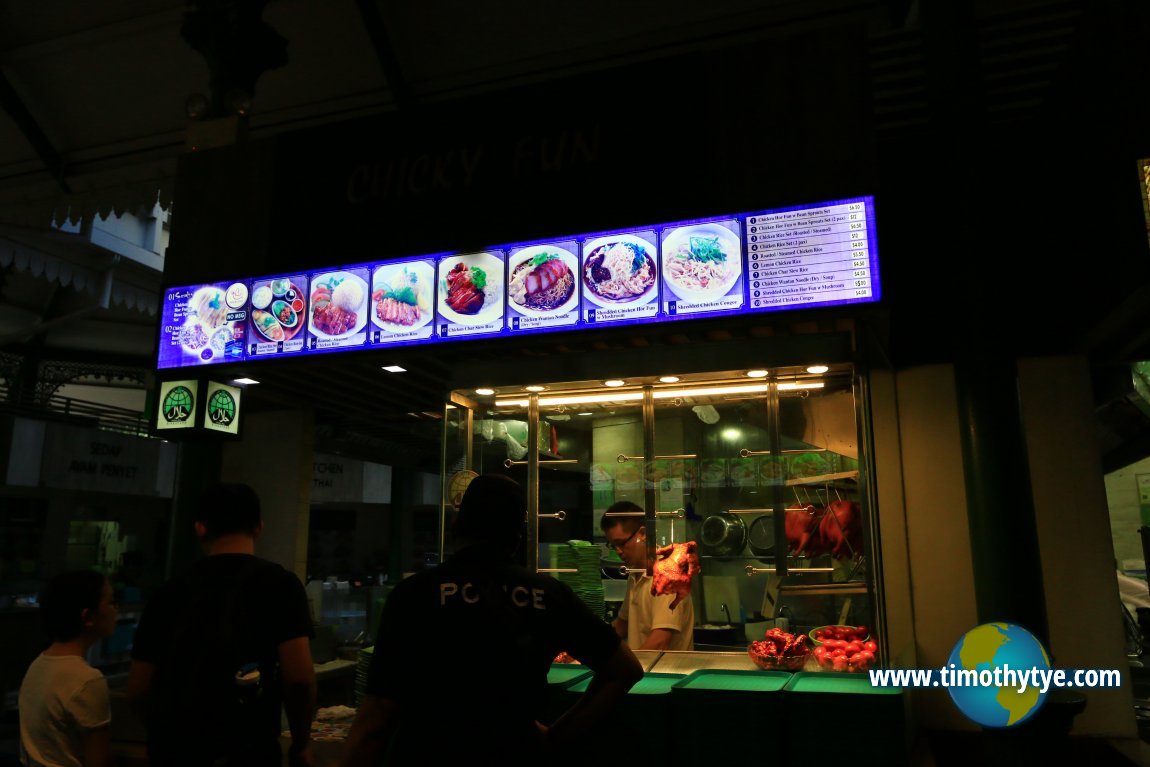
(701, 263)
(284, 313)
(771, 662)
(280, 287)
(262, 297)
(839, 633)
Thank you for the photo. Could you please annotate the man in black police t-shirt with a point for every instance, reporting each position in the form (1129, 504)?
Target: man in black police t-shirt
(459, 669)
(221, 649)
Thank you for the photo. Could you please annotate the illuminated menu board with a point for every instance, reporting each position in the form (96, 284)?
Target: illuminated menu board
(798, 257)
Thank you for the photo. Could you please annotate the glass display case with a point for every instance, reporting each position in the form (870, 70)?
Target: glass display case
(765, 471)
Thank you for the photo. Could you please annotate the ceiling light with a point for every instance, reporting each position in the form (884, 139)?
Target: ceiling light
(818, 369)
(535, 388)
(485, 392)
(635, 396)
(394, 369)
(669, 379)
(245, 381)
(791, 386)
(587, 413)
(756, 374)
(614, 382)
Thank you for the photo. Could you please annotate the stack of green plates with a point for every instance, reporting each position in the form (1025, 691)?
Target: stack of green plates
(361, 668)
(587, 582)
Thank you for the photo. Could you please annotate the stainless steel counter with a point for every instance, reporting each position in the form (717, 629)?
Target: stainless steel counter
(684, 662)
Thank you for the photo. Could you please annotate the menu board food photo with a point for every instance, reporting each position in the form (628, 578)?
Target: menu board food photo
(338, 309)
(470, 294)
(620, 277)
(542, 289)
(401, 301)
(203, 325)
(278, 309)
(803, 256)
(702, 267)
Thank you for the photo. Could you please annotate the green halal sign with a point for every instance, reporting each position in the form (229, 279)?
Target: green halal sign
(177, 409)
(223, 409)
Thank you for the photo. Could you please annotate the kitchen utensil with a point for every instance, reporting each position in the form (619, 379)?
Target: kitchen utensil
(761, 536)
(724, 534)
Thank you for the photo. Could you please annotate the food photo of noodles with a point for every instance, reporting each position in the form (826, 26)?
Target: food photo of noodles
(619, 270)
(702, 262)
(471, 288)
(541, 281)
(401, 296)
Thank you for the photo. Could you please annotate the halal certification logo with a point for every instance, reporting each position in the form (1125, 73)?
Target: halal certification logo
(222, 408)
(178, 405)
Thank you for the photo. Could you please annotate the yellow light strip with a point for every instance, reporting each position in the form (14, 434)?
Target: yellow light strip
(635, 396)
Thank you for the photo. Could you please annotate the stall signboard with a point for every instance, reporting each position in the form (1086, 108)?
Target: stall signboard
(802, 256)
(222, 408)
(176, 405)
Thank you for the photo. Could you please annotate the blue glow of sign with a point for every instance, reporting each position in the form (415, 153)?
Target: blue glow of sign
(803, 256)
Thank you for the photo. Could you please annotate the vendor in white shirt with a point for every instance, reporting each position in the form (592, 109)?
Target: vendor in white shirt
(645, 622)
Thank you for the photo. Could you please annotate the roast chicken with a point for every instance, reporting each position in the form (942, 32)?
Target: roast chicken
(841, 529)
(462, 295)
(674, 567)
(802, 529)
(835, 529)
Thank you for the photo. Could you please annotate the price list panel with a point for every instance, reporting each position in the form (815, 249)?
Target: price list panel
(806, 256)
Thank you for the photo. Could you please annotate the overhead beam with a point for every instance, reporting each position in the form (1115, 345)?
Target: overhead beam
(12, 103)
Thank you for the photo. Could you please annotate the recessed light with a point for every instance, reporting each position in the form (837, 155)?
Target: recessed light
(245, 381)
(669, 379)
(614, 382)
(756, 374)
(817, 369)
(535, 388)
(394, 369)
(485, 392)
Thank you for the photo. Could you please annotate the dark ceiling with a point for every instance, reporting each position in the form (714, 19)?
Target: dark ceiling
(94, 101)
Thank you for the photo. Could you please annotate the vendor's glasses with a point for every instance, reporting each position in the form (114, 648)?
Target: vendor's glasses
(620, 545)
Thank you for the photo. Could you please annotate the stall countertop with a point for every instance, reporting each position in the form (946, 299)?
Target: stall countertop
(686, 661)
(333, 667)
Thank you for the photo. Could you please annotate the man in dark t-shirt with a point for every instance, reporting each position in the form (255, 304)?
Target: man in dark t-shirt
(459, 670)
(221, 649)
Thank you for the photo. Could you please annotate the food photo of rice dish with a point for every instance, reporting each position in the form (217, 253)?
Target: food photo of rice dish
(267, 325)
(619, 271)
(470, 290)
(338, 302)
(543, 283)
(701, 262)
(405, 300)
